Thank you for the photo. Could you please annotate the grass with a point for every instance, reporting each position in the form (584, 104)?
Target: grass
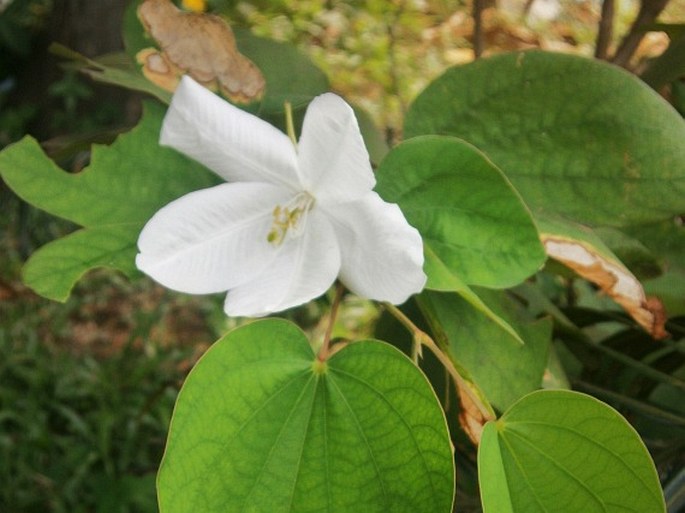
(87, 387)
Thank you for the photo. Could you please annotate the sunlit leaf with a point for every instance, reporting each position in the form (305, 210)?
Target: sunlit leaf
(260, 425)
(565, 452)
(602, 150)
(475, 229)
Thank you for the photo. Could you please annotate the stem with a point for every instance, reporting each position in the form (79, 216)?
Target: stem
(605, 29)
(325, 350)
(289, 125)
(649, 10)
(478, 36)
(420, 338)
(655, 413)
(392, 19)
(416, 333)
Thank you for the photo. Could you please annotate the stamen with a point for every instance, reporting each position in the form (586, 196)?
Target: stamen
(290, 218)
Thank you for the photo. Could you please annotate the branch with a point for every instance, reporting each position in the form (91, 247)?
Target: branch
(478, 36)
(605, 29)
(649, 10)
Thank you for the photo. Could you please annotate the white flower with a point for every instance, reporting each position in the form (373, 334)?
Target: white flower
(288, 222)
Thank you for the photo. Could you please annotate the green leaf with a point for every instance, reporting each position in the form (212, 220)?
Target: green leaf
(565, 452)
(125, 184)
(667, 240)
(373, 138)
(631, 252)
(114, 69)
(502, 368)
(53, 270)
(602, 150)
(475, 229)
(262, 426)
(290, 75)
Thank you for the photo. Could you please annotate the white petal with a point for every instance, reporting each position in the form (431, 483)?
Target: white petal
(237, 146)
(305, 268)
(213, 239)
(334, 163)
(382, 255)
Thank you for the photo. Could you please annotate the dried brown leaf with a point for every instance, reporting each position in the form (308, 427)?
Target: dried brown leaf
(612, 278)
(471, 418)
(201, 45)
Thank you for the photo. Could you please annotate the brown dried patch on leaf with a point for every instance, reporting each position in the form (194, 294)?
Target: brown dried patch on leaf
(612, 278)
(201, 45)
(471, 418)
(158, 69)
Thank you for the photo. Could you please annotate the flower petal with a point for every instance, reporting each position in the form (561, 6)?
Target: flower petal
(382, 255)
(334, 163)
(213, 239)
(237, 146)
(304, 269)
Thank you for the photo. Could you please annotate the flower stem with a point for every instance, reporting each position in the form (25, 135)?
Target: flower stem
(325, 350)
(289, 125)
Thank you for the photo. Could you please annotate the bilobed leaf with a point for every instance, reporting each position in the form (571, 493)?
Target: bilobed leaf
(602, 150)
(496, 362)
(565, 452)
(475, 229)
(125, 184)
(262, 426)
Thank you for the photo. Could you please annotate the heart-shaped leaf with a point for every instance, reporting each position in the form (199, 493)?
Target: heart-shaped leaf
(565, 452)
(605, 149)
(475, 229)
(261, 425)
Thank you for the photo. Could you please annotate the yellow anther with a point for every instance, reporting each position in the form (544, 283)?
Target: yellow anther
(290, 217)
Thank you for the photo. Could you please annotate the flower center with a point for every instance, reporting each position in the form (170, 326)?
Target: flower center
(292, 217)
